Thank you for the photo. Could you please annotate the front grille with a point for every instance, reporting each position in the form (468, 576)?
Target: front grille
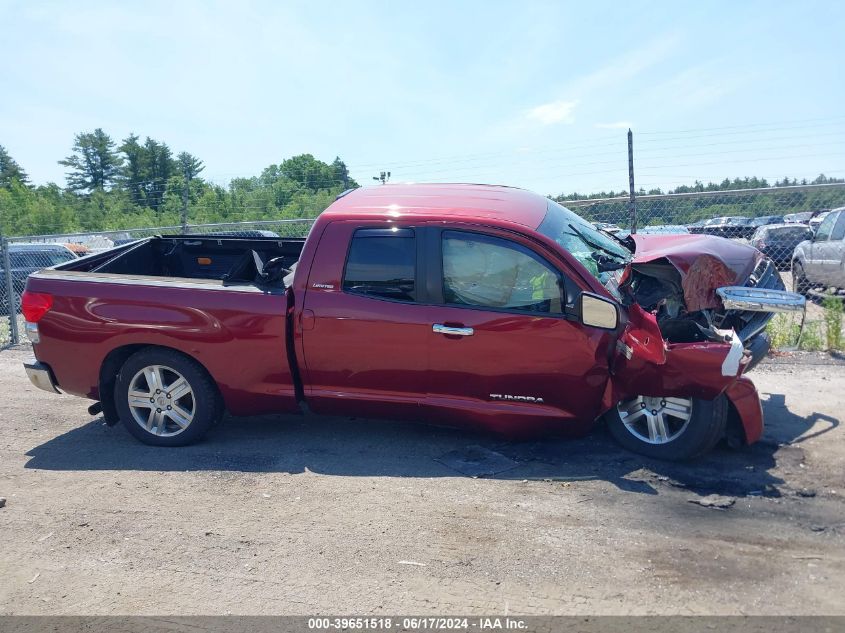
(765, 275)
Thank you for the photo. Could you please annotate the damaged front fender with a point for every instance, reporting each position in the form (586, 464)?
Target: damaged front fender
(645, 365)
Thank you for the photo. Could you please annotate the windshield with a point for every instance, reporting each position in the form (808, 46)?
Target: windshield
(39, 259)
(582, 240)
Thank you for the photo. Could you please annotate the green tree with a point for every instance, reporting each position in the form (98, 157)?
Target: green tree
(340, 174)
(189, 166)
(134, 167)
(94, 163)
(159, 166)
(10, 171)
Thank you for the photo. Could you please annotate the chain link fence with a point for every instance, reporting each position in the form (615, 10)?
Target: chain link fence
(775, 220)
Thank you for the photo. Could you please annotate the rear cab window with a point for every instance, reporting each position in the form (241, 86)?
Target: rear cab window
(382, 264)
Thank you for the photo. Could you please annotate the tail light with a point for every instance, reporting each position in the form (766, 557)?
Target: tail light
(35, 305)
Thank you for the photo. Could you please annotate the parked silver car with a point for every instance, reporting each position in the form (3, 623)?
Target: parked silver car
(820, 261)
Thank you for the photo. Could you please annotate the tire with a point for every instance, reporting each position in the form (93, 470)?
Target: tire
(173, 401)
(799, 279)
(684, 439)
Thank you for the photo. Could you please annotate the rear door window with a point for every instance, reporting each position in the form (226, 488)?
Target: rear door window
(382, 264)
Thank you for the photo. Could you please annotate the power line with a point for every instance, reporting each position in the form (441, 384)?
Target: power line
(743, 126)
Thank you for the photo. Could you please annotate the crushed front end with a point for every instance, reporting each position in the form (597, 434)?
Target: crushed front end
(698, 310)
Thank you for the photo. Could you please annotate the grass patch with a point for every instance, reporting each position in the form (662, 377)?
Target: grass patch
(825, 334)
(812, 337)
(833, 323)
(784, 330)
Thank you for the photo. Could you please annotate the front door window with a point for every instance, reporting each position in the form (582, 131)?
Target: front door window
(488, 272)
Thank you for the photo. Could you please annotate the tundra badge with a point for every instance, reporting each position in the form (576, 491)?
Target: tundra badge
(504, 396)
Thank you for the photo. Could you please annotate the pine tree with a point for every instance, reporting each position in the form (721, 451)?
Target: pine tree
(94, 163)
(189, 166)
(10, 171)
(132, 173)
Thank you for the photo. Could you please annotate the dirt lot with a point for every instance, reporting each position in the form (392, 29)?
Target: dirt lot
(304, 515)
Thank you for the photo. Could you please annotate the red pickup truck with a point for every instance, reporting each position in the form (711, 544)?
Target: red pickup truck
(463, 305)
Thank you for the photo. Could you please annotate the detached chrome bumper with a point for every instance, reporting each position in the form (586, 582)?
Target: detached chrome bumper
(40, 375)
(760, 299)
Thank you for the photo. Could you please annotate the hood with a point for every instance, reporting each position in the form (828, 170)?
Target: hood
(705, 263)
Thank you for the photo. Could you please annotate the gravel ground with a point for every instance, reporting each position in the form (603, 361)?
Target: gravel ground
(302, 515)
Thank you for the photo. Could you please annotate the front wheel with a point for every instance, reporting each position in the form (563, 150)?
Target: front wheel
(165, 398)
(668, 428)
(799, 279)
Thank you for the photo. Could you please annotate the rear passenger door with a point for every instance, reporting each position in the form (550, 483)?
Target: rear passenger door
(364, 326)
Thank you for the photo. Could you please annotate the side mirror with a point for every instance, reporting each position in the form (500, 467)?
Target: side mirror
(599, 312)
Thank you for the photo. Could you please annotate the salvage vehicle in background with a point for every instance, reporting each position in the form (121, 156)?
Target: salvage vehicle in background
(817, 218)
(819, 262)
(764, 220)
(463, 305)
(25, 259)
(778, 241)
(802, 217)
(731, 227)
(80, 250)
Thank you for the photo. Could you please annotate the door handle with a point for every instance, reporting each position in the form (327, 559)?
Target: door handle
(439, 328)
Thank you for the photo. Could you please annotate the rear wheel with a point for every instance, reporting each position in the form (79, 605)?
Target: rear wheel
(165, 398)
(667, 427)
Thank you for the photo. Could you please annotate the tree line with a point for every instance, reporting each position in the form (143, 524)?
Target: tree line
(139, 183)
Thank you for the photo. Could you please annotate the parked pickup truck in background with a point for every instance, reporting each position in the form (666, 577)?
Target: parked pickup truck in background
(820, 261)
(463, 305)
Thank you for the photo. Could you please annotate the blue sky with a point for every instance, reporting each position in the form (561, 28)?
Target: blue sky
(533, 94)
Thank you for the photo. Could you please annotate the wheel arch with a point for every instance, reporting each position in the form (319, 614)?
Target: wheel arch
(110, 367)
(745, 412)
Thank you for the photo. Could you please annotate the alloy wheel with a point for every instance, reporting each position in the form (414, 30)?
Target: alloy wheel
(655, 419)
(161, 401)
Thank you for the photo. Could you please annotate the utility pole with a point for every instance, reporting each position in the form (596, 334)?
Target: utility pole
(186, 184)
(632, 202)
(383, 177)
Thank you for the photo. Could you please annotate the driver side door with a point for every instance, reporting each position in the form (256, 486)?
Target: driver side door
(506, 350)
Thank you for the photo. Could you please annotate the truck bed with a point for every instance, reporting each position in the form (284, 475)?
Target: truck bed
(197, 295)
(228, 259)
